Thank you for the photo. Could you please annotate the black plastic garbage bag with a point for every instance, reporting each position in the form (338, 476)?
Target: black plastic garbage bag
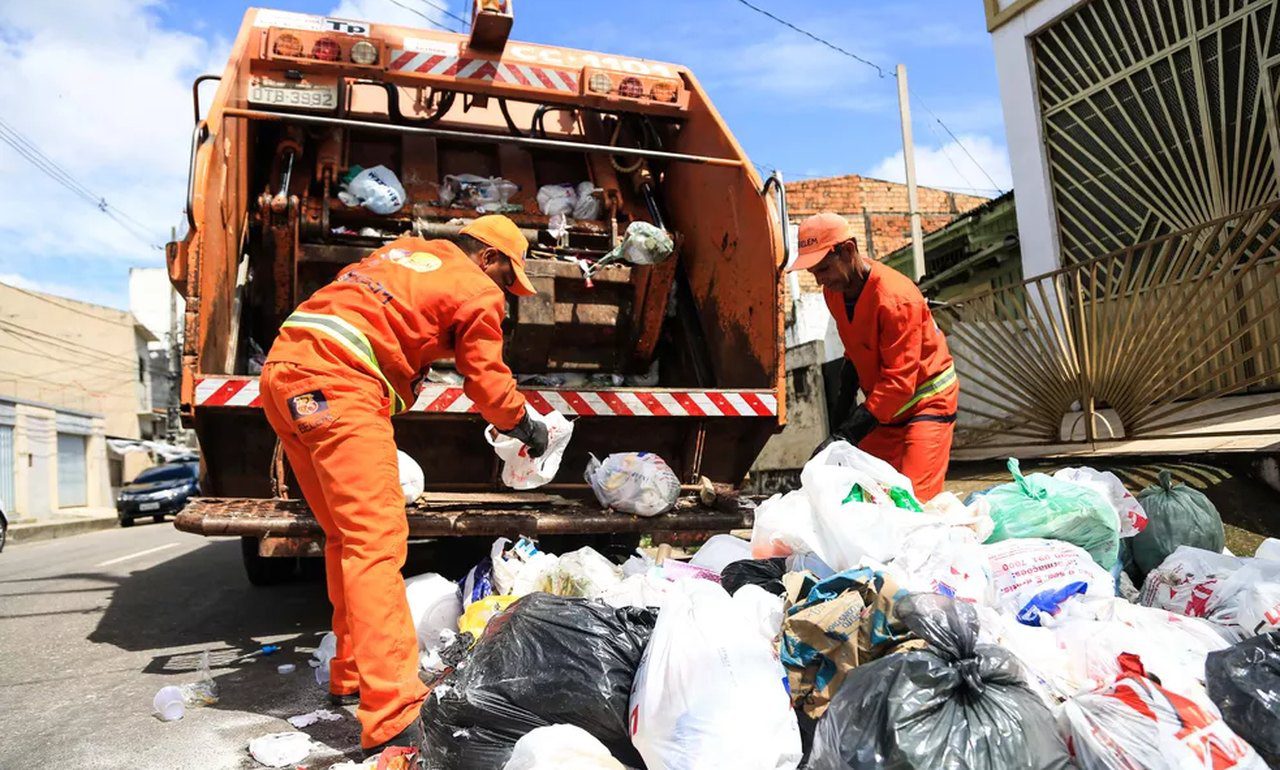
(1244, 683)
(766, 573)
(545, 660)
(954, 704)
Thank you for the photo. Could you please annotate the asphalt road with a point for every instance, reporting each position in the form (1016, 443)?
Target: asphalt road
(91, 626)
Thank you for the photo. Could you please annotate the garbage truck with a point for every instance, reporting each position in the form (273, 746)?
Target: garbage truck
(683, 358)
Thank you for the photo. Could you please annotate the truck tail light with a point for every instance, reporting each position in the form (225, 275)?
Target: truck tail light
(326, 49)
(600, 83)
(631, 88)
(364, 52)
(664, 91)
(287, 45)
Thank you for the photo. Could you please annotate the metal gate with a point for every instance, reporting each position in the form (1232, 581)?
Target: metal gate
(72, 471)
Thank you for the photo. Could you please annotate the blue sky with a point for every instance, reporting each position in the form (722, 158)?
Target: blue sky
(103, 91)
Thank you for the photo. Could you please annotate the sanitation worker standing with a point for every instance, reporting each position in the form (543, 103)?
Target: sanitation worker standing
(898, 353)
(347, 359)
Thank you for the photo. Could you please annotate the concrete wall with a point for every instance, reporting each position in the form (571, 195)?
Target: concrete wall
(35, 450)
(806, 414)
(1037, 222)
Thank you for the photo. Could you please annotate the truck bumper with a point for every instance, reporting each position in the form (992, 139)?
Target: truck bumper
(471, 514)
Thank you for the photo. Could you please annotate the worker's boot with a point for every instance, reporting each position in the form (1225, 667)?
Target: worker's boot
(411, 737)
(348, 699)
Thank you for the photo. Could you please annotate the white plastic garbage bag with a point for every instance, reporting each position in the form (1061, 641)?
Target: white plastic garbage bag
(1137, 723)
(643, 590)
(720, 551)
(945, 560)
(435, 606)
(557, 199)
(280, 749)
(783, 526)
(377, 189)
(709, 693)
(487, 195)
(519, 470)
(324, 652)
(588, 205)
(560, 747)
(1189, 581)
(412, 480)
(1268, 549)
(842, 454)
(584, 572)
(1250, 603)
(634, 482)
(1034, 576)
(1133, 519)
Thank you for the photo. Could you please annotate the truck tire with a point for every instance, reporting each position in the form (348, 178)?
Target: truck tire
(265, 570)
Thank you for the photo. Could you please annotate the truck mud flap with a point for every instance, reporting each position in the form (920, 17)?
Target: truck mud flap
(470, 514)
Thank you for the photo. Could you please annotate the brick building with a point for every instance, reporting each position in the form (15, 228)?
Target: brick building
(877, 208)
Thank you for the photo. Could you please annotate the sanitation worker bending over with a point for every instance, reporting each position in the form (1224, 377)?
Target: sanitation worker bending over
(350, 357)
(900, 357)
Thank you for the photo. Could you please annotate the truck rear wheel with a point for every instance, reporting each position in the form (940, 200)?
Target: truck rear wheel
(265, 570)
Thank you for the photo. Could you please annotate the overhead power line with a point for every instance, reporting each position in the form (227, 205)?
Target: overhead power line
(882, 73)
(447, 12)
(37, 157)
(418, 13)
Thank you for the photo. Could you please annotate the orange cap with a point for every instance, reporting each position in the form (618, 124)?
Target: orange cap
(818, 234)
(502, 234)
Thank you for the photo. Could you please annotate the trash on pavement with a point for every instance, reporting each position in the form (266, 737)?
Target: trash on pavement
(286, 668)
(1135, 722)
(545, 660)
(412, 479)
(434, 605)
(560, 747)
(952, 704)
(709, 690)
(487, 195)
(377, 189)
(203, 691)
(1037, 505)
(168, 704)
(640, 483)
(519, 470)
(280, 749)
(481, 611)
(324, 652)
(832, 626)
(1177, 515)
(765, 573)
(720, 551)
(1129, 512)
(1032, 576)
(1243, 682)
(311, 717)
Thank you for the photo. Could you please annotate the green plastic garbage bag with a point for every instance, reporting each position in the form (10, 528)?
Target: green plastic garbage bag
(1176, 515)
(1042, 506)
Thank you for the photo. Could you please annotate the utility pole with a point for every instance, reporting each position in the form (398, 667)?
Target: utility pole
(909, 158)
(173, 416)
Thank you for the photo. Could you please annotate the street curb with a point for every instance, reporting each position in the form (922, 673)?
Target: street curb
(37, 531)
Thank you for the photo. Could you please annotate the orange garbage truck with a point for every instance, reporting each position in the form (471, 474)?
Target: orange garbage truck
(327, 138)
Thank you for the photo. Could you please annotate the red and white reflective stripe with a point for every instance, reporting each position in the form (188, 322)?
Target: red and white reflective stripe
(614, 402)
(487, 70)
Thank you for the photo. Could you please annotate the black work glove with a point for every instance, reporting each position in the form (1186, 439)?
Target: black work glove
(532, 433)
(855, 428)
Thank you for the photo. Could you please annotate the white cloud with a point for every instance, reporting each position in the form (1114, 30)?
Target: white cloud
(104, 90)
(948, 167)
(90, 294)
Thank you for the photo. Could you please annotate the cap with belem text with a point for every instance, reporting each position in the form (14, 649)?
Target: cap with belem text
(818, 234)
(502, 234)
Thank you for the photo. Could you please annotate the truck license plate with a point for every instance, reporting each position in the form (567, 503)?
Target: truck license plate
(149, 507)
(307, 96)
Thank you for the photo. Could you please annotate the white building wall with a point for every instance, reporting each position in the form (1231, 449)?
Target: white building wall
(1037, 222)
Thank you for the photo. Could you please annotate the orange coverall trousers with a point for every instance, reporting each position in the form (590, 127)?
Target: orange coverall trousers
(919, 450)
(335, 428)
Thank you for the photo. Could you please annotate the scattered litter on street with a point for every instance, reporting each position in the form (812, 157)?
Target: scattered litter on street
(286, 668)
(310, 718)
(203, 691)
(168, 704)
(280, 749)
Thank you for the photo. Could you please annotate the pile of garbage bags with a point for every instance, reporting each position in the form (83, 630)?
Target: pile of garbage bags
(861, 628)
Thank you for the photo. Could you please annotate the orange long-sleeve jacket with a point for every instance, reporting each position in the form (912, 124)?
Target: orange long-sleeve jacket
(903, 364)
(406, 305)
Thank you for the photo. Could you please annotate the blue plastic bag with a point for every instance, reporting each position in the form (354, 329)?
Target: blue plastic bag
(1041, 506)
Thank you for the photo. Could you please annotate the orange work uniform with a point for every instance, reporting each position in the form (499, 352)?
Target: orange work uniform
(906, 373)
(347, 359)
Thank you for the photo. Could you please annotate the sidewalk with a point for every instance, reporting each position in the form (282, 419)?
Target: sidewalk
(61, 525)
